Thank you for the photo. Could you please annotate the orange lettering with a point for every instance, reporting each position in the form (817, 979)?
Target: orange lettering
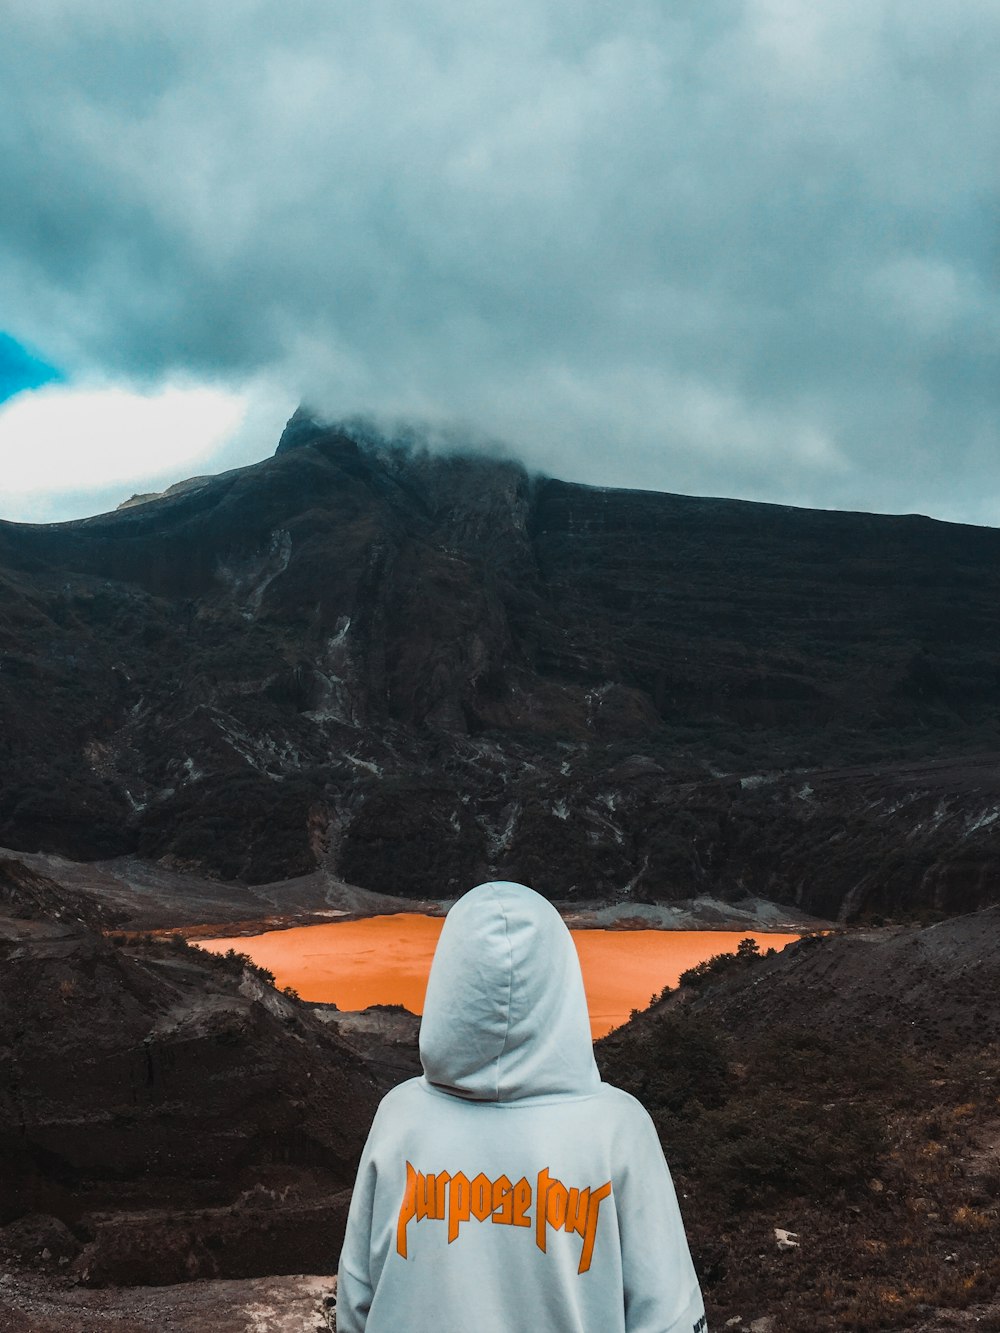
(540, 1205)
(555, 1204)
(407, 1209)
(503, 1201)
(441, 1185)
(458, 1203)
(425, 1196)
(482, 1197)
(441, 1196)
(576, 1211)
(590, 1235)
(522, 1202)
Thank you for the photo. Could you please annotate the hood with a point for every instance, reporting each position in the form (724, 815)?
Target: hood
(505, 1015)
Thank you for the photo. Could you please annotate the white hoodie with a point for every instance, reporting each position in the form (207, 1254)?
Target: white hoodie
(509, 1190)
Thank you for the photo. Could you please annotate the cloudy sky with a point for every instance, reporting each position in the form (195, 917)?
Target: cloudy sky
(724, 247)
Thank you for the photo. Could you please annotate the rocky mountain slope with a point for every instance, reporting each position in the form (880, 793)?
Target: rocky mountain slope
(165, 1114)
(845, 1091)
(412, 671)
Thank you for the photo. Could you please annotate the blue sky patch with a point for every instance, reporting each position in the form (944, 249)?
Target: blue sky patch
(19, 370)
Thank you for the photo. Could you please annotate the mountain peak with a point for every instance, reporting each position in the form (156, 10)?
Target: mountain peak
(302, 428)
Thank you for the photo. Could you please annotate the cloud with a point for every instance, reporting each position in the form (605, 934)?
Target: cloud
(739, 249)
(68, 439)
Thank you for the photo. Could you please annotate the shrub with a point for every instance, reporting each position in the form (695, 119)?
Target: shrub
(747, 952)
(237, 963)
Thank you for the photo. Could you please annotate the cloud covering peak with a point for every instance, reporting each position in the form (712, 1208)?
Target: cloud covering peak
(733, 249)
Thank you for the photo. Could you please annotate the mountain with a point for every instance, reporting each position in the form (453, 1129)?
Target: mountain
(414, 670)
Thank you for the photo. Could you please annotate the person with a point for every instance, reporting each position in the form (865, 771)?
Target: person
(510, 1190)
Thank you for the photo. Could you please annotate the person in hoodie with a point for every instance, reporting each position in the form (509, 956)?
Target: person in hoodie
(509, 1189)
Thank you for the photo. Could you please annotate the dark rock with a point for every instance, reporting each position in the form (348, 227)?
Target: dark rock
(27, 895)
(37, 1240)
(921, 986)
(843, 1090)
(415, 669)
(164, 1103)
(253, 1236)
(301, 428)
(31, 1303)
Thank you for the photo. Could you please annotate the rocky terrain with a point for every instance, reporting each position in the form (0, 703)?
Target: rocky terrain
(832, 1118)
(174, 1131)
(165, 1114)
(831, 1114)
(360, 677)
(145, 895)
(32, 1303)
(409, 671)
(138, 895)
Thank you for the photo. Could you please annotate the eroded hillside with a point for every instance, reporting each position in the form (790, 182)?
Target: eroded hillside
(845, 1091)
(165, 1114)
(415, 671)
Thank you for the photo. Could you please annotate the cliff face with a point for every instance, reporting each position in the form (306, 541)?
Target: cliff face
(164, 1114)
(416, 671)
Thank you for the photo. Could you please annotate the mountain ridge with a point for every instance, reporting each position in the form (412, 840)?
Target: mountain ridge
(417, 669)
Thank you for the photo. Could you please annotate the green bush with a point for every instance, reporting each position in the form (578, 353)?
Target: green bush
(237, 963)
(668, 1061)
(783, 1114)
(747, 952)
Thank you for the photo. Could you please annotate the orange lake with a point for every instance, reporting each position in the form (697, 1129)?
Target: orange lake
(386, 959)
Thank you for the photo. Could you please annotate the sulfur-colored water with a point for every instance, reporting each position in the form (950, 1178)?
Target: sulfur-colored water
(385, 960)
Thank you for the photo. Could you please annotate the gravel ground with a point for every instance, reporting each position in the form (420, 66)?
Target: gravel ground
(299, 1304)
